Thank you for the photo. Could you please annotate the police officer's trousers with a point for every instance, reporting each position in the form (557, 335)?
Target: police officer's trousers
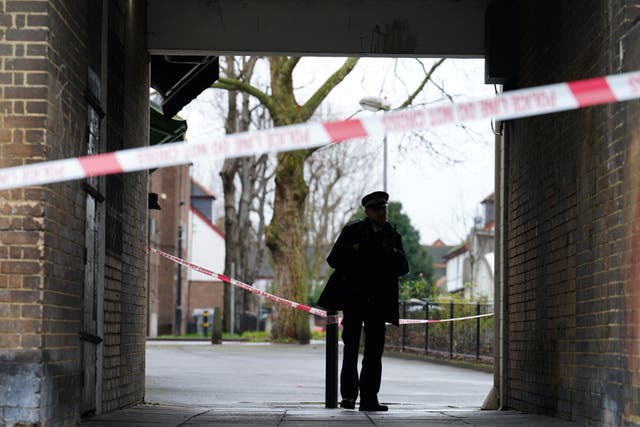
(369, 381)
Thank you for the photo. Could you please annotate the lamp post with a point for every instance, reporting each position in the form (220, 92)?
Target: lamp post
(374, 103)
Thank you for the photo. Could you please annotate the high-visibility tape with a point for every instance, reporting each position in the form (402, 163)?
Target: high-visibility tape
(422, 321)
(312, 310)
(234, 282)
(509, 105)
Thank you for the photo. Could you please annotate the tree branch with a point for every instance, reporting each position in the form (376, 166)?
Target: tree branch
(427, 77)
(336, 78)
(233, 84)
(248, 66)
(288, 65)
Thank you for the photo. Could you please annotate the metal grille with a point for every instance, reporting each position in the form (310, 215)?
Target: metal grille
(471, 338)
(115, 141)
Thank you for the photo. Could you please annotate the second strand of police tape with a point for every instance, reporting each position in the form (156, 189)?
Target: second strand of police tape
(312, 310)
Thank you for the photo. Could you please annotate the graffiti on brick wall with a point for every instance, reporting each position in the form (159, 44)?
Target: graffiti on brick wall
(66, 128)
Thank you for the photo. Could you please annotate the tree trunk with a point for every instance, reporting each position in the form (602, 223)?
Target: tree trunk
(286, 241)
(228, 174)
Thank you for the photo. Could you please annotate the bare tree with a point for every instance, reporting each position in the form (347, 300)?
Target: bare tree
(285, 233)
(245, 183)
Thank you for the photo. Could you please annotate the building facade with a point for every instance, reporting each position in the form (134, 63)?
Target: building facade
(207, 249)
(470, 266)
(74, 80)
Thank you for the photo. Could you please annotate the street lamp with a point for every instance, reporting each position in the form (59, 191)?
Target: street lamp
(374, 103)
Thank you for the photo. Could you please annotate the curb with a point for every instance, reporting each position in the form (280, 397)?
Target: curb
(481, 367)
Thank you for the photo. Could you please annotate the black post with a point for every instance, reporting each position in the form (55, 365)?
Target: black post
(205, 322)
(404, 327)
(178, 320)
(451, 330)
(477, 331)
(216, 334)
(331, 374)
(426, 328)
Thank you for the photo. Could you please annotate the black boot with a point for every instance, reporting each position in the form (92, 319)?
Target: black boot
(348, 404)
(373, 406)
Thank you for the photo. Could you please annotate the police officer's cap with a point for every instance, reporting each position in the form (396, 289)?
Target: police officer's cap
(377, 199)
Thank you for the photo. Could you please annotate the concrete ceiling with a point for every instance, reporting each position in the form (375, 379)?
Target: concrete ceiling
(398, 28)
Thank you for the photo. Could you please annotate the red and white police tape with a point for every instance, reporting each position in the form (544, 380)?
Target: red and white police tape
(315, 311)
(234, 282)
(421, 321)
(509, 105)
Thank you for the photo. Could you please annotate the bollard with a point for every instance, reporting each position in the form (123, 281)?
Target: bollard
(477, 331)
(331, 372)
(426, 328)
(451, 316)
(205, 322)
(404, 327)
(216, 334)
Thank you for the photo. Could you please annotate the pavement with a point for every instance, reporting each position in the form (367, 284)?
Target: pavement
(242, 384)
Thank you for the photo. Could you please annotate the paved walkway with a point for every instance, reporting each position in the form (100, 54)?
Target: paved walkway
(235, 384)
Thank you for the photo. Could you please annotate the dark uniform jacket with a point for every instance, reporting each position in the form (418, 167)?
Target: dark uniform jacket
(367, 264)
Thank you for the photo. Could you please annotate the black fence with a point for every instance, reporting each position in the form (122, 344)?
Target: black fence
(471, 338)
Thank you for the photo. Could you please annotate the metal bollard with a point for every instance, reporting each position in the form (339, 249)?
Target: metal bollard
(205, 322)
(426, 328)
(404, 327)
(451, 316)
(216, 335)
(477, 331)
(331, 371)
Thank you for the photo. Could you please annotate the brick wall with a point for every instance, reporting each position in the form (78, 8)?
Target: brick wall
(125, 291)
(204, 295)
(23, 104)
(626, 133)
(64, 215)
(43, 100)
(173, 185)
(570, 200)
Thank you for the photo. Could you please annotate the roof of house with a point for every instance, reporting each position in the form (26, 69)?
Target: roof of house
(490, 198)
(204, 218)
(198, 191)
(438, 250)
(458, 250)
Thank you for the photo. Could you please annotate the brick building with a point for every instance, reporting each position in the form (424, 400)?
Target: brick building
(569, 212)
(186, 209)
(167, 226)
(207, 248)
(470, 265)
(73, 81)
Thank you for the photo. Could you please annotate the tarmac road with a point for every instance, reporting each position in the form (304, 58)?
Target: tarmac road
(235, 384)
(273, 374)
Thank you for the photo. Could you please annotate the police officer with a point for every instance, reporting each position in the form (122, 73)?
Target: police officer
(368, 257)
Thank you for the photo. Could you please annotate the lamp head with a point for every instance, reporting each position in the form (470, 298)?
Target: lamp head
(373, 103)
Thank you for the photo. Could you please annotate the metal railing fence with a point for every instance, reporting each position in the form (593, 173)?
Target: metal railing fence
(472, 338)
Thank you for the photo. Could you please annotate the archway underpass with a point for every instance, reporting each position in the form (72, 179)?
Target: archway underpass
(75, 81)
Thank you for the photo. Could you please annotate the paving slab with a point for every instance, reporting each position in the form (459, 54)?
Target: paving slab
(157, 415)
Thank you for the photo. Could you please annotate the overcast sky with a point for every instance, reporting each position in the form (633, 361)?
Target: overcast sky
(440, 185)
